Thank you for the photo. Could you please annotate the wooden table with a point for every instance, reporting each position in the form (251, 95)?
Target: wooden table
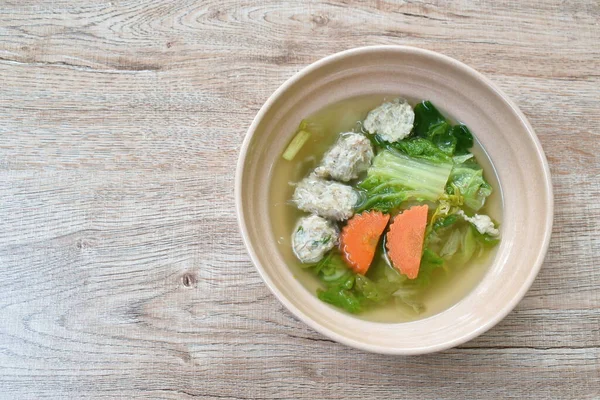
(122, 273)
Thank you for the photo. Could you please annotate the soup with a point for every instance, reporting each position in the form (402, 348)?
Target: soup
(447, 269)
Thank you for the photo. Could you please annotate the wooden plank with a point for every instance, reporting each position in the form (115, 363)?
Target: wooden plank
(122, 274)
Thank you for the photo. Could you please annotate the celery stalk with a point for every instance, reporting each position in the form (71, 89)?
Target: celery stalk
(296, 144)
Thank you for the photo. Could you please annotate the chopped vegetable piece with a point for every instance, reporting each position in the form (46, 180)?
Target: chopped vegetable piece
(485, 239)
(360, 237)
(426, 115)
(422, 148)
(430, 262)
(296, 144)
(468, 179)
(441, 135)
(452, 244)
(340, 297)
(464, 138)
(405, 240)
(468, 245)
(394, 178)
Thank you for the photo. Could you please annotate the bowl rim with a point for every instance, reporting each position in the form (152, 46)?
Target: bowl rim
(497, 316)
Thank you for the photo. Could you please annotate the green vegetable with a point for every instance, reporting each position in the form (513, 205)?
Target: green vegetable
(426, 115)
(460, 242)
(421, 148)
(407, 294)
(406, 301)
(468, 246)
(461, 159)
(394, 177)
(445, 222)
(340, 297)
(296, 144)
(370, 290)
(460, 246)
(333, 271)
(376, 141)
(325, 240)
(467, 179)
(484, 239)
(452, 244)
(354, 292)
(441, 136)
(339, 282)
(431, 124)
(464, 138)
(430, 261)
(414, 147)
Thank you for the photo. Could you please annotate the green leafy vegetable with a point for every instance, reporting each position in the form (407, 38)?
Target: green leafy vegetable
(405, 299)
(468, 246)
(445, 222)
(464, 138)
(370, 290)
(421, 148)
(433, 137)
(485, 239)
(354, 292)
(426, 115)
(431, 124)
(394, 177)
(467, 179)
(430, 261)
(414, 147)
(408, 292)
(333, 271)
(461, 159)
(452, 244)
(340, 297)
(339, 282)
(458, 243)
(460, 246)
(441, 136)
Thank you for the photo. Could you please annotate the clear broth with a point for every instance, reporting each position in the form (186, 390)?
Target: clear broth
(445, 290)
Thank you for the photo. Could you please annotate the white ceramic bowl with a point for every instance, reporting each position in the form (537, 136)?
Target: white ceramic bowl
(458, 91)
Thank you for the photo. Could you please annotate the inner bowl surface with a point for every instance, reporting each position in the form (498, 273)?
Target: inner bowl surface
(464, 95)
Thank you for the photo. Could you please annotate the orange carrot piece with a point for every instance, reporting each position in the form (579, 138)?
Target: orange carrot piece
(405, 240)
(359, 239)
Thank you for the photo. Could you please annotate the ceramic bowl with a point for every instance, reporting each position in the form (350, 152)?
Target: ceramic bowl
(458, 91)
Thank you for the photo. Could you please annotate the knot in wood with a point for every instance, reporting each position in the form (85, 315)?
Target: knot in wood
(188, 280)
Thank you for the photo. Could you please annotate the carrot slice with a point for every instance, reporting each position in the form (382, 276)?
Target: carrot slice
(405, 240)
(359, 239)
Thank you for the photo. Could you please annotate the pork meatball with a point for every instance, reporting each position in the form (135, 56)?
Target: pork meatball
(392, 121)
(328, 199)
(350, 156)
(313, 237)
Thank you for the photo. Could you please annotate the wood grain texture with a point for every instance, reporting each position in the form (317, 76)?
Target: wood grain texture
(122, 274)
